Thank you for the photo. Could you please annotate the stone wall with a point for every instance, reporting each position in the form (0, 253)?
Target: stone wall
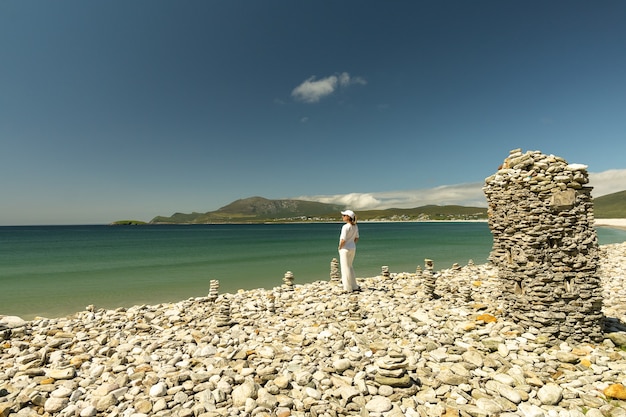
(545, 245)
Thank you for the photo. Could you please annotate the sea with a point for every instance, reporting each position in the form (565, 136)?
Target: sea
(55, 271)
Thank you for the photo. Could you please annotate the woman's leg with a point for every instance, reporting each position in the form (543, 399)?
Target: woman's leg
(348, 278)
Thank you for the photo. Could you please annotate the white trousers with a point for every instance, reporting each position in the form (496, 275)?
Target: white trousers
(348, 277)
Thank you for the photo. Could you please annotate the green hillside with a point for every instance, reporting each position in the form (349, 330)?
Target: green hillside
(257, 210)
(263, 210)
(610, 206)
(430, 212)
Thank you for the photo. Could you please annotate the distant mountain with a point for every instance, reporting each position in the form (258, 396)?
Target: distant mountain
(610, 206)
(256, 210)
(262, 210)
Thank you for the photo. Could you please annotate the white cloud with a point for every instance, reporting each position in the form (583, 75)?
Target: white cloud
(461, 194)
(469, 194)
(312, 90)
(607, 182)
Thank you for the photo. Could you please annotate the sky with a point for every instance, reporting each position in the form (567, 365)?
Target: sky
(114, 110)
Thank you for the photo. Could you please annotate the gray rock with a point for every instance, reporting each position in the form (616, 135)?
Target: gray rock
(341, 365)
(55, 404)
(530, 410)
(379, 404)
(158, 390)
(60, 374)
(249, 389)
(550, 394)
(489, 406)
(10, 322)
(619, 338)
(89, 411)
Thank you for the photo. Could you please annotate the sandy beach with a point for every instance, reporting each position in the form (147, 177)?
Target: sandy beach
(617, 223)
(310, 350)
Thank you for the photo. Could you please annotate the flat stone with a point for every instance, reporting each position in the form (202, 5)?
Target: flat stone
(550, 394)
(379, 404)
(61, 374)
(402, 381)
(616, 391)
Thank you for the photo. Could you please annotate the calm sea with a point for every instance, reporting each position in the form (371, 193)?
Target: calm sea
(53, 271)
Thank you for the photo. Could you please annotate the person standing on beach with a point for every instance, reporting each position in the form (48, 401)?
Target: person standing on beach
(347, 250)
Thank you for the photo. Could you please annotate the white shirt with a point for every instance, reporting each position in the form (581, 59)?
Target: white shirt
(349, 232)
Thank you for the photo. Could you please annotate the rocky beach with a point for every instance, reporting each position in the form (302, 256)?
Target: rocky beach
(406, 345)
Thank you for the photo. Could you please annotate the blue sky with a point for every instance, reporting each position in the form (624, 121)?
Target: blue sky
(127, 110)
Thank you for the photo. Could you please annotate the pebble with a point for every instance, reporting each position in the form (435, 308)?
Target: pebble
(407, 353)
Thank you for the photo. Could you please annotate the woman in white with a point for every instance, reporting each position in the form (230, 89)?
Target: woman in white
(347, 249)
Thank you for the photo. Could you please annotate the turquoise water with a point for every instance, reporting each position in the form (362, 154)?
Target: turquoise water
(58, 270)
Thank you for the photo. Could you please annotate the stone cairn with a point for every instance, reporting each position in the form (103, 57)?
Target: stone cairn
(429, 278)
(354, 309)
(271, 302)
(288, 281)
(545, 246)
(335, 275)
(465, 291)
(392, 370)
(222, 317)
(385, 272)
(214, 287)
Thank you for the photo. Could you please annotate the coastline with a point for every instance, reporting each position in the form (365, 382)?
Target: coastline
(614, 223)
(307, 350)
(160, 277)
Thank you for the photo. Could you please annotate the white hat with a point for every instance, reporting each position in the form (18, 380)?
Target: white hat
(348, 213)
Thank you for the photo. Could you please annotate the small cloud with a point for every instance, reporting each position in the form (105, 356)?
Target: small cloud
(462, 194)
(607, 182)
(312, 90)
(304, 119)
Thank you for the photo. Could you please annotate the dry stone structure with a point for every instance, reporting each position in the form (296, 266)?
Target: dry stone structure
(429, 278)
(214, 288)
(545, 245)
(288, 281)
(335, 275)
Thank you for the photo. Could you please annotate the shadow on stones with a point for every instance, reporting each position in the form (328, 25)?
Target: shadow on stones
(612, 324)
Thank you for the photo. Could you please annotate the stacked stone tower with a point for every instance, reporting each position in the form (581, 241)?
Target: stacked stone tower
(545, 245)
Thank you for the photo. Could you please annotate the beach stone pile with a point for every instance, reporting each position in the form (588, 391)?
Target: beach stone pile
(545, 246)
(335, 274)
(429, 279)
(384, 271)
(221, 315)
(392, 371)
(404, 354)
(214, 289)
(288, 279)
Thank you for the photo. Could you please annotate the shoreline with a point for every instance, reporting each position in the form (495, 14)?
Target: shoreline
(311, 350)
(613, 223)
(616, 224)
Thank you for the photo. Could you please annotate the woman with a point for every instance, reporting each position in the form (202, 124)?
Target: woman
(347, 249)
